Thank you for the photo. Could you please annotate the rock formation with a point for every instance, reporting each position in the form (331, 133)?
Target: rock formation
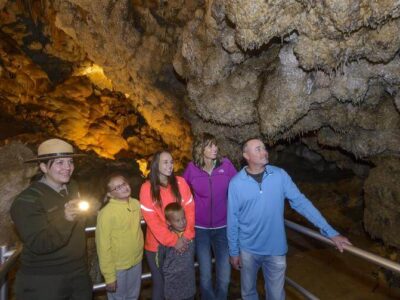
(14, 178)
(326, 73)
(125, 78)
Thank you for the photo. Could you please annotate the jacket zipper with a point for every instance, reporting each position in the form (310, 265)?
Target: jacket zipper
(211, 194)
(262, 180)
(260, 183)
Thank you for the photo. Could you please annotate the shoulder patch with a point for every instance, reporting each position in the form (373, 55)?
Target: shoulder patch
(30, 195)
(27, 198)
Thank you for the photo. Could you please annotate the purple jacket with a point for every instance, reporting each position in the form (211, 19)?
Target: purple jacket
(210, 193)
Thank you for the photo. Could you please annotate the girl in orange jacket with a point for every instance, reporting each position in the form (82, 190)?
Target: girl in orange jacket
(162, 188)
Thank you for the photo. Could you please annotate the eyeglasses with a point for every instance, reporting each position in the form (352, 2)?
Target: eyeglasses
(119, 187)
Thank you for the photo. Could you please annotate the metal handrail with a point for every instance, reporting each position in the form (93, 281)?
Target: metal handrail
(298, 287)
(383, 262)
(302, 290)
(9, 259)
(101, 286)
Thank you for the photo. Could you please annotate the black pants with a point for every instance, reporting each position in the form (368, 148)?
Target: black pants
(75, 285)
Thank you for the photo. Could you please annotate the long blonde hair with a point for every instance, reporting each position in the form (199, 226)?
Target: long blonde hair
(201, 142)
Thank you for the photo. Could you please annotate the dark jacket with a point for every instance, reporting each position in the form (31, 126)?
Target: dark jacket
(51, 244)
(177, 271)
(210, 193)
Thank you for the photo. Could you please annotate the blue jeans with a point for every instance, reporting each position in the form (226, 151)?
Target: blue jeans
(273, 268)
(208, 241)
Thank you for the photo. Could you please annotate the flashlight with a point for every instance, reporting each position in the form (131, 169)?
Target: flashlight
(83, 205)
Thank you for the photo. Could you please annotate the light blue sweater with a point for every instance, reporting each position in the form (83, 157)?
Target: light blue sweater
(256, 212)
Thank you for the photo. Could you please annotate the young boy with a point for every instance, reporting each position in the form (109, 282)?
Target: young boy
(177, 268)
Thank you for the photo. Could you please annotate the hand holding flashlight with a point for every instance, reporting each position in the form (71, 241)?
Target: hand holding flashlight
(75, 208)
(83, 205)
(71, 210)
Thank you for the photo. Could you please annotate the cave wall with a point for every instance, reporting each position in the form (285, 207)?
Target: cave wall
(382, 201)
(126, 78)
(95, 73)
(14, 178)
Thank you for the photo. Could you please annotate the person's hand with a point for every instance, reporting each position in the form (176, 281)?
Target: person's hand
(340, 242)
(111, 287)
(71, 210)
(235, 262)
(181, 245)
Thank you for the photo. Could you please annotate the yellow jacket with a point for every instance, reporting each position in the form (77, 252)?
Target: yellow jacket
(119, 237)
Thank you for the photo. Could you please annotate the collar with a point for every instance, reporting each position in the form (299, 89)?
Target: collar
(119, 202)
(267, 170)
(217, 164)
(56, 188)
(179, 233)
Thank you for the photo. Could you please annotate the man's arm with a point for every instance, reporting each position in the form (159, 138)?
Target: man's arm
(304, 207)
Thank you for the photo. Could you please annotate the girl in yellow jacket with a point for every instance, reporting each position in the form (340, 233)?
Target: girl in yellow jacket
(119, 241)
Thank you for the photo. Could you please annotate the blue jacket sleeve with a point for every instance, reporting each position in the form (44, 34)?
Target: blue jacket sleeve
(304, 207)
(233, 221)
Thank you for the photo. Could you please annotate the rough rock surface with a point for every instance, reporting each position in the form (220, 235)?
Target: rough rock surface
(324, 73)
(94, 73)
(14, 177)
(125, 78)
(382, 201)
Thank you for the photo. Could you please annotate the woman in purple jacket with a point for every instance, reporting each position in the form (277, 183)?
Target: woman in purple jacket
(208, 177)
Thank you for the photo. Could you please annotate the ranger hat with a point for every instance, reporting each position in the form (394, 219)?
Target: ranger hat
(54, 148)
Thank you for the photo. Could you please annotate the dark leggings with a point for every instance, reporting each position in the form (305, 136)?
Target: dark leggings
(156, 277)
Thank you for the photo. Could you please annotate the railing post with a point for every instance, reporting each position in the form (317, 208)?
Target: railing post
(3, 283)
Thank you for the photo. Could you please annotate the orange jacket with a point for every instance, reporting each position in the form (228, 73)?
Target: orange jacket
(157, 229)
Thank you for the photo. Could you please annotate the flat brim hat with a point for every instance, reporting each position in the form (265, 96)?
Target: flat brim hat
(52, 149)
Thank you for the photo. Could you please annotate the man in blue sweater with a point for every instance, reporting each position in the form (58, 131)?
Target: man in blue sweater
(256, 229)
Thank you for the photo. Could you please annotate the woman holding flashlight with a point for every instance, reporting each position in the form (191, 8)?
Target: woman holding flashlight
(162, 188)
(47, 218)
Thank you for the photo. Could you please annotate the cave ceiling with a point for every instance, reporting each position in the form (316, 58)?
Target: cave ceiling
(129, 77)
(124, 78)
